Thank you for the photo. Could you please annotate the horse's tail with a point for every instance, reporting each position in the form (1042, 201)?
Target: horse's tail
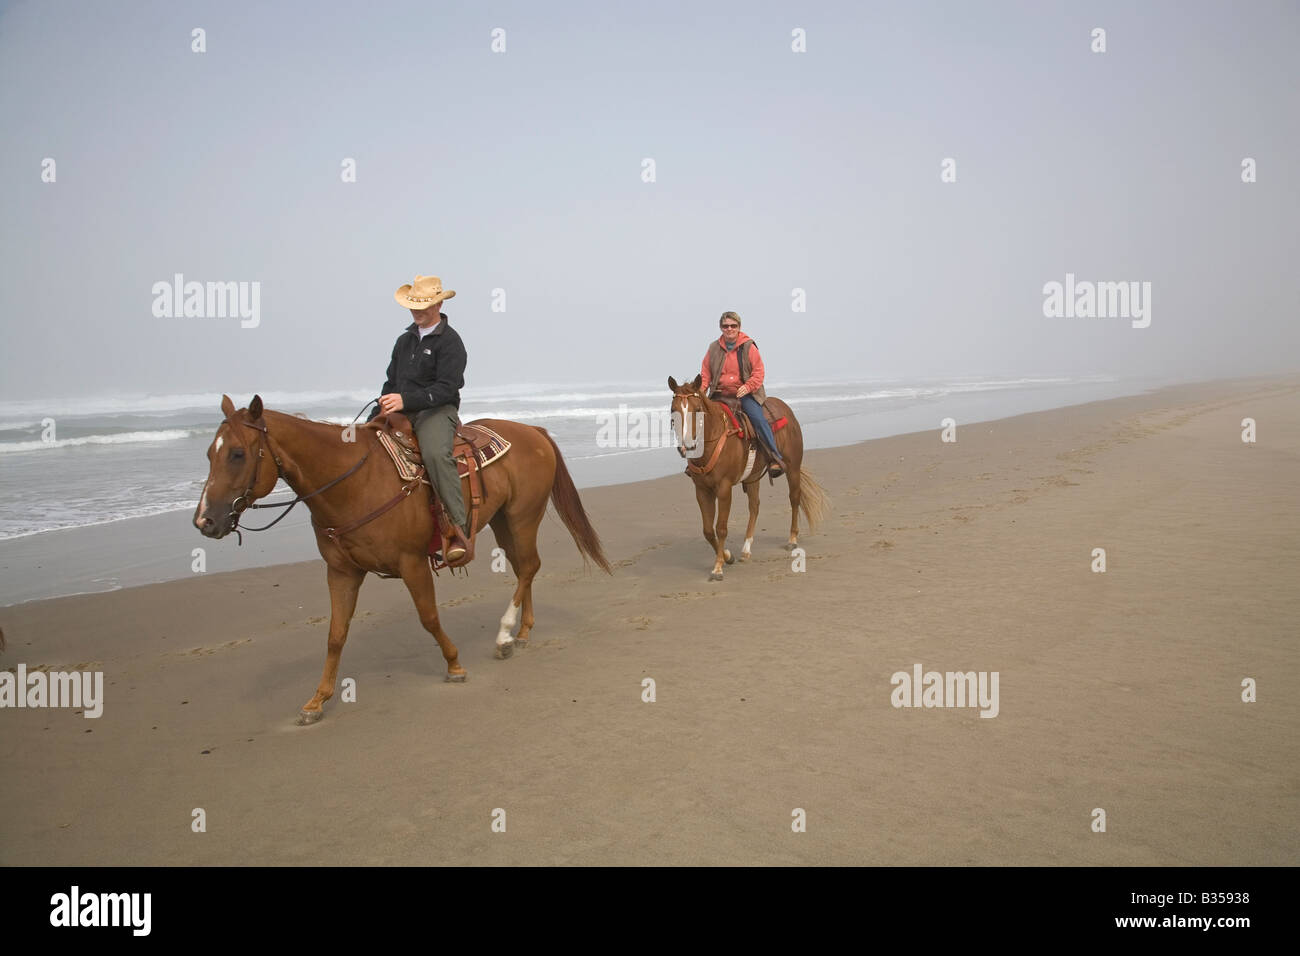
(813, 500)
(565, 498)
(2, 638)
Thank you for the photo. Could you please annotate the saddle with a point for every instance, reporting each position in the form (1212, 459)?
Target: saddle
(473, 449)
(741, 421)
(744, 428)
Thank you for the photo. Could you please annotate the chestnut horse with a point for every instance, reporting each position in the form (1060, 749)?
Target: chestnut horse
(716, 470)
(344, 476)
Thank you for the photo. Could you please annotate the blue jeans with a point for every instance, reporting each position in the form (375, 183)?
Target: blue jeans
(749, 404)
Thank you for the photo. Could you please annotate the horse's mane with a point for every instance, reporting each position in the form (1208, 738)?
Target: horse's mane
(311, 421)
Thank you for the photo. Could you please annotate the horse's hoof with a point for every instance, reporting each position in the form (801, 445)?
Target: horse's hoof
(521, 645)
(306, 717)
(715, 575)
(744, 556)
(789, 546)
(505, 650)
(728, 557)
(457, 678)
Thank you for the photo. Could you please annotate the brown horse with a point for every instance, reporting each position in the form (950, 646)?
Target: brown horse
(344, 475)
(720, 464)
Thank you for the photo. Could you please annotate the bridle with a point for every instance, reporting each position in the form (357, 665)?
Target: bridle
(693, 467)
(245, 500)
(699, 439)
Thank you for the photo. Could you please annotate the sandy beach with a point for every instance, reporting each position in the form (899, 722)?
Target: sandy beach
(1119, 690)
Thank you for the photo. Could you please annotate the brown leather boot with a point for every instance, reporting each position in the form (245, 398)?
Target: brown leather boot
(459, 551)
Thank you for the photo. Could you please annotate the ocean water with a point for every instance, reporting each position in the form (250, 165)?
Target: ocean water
(66, 465)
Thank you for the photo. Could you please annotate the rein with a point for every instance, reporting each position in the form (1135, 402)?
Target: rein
(245, 501)
(692, 468)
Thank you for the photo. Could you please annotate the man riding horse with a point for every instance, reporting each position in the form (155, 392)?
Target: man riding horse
(424, 379)
(735, 369)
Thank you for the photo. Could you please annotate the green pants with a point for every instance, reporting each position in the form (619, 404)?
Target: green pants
(436, 430)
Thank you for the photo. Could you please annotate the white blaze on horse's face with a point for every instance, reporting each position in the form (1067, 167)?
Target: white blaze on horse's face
(686, 426)
(201, 511)
(225, 480)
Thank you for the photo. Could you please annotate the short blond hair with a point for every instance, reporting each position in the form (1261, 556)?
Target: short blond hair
(728, 315)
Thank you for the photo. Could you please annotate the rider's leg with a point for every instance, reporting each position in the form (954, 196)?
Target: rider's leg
(436, 430)
(755, 412)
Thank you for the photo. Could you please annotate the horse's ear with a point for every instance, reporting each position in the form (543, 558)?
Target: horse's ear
(227, 406)
(696, 384)
(672, 384)
(255, 408)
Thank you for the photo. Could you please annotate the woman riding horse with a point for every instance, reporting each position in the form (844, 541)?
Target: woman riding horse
(735, 369)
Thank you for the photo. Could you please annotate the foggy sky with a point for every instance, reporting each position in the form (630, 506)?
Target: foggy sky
(522, 171)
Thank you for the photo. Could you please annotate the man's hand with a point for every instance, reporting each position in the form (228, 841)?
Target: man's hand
(392, 402)
(742, 392)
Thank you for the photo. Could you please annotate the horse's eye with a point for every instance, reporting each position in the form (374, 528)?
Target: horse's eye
(237, 454)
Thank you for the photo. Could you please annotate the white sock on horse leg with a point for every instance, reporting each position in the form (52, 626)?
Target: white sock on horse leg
(508, 621)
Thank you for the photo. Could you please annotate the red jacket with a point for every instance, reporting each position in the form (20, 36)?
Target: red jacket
(729, 378)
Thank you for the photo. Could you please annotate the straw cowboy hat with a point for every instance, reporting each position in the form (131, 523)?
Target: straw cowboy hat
(424, 293)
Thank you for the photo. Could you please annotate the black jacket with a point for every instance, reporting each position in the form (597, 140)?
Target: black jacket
(426, 372)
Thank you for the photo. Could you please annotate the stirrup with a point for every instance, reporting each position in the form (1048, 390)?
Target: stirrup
(456, 556)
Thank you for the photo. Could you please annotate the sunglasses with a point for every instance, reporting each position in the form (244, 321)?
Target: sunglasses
(731, 327)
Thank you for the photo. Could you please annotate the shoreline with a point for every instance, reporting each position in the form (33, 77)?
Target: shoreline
(154, 549)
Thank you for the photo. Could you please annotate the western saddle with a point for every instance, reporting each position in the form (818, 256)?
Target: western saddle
(745, 428)
(473, 449)
(741, 421)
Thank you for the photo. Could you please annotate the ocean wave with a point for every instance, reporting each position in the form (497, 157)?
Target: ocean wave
(26, 413)
(525, 408)
(20, 414)
(125, 513)
(74, 521)
(164, 434)
(624, 451)
(470, 411)
(24, 410)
